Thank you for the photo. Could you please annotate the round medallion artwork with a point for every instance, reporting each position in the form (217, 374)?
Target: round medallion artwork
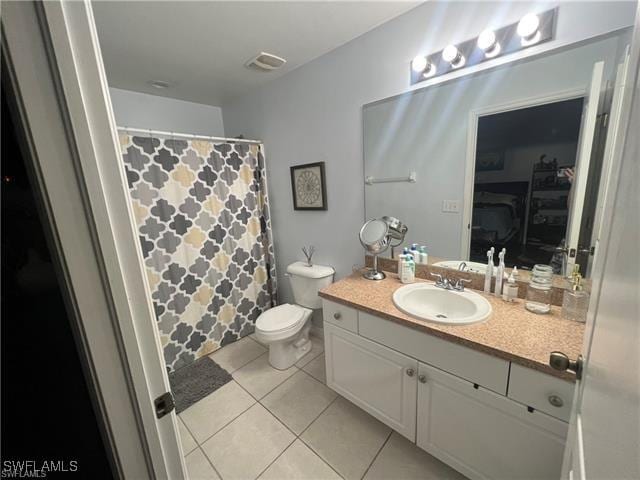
(308, 187)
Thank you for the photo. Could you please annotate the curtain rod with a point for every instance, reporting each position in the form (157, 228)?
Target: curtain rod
(186, 135)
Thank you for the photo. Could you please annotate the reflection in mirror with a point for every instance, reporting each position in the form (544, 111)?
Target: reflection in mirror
(524, 171)
(510, 157)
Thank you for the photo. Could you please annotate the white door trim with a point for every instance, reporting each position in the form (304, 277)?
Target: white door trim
(55, 56)
(470, 165)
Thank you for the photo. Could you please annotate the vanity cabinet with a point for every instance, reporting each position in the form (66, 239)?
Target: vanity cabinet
(376, 378)
(485, 435)
(484, 416)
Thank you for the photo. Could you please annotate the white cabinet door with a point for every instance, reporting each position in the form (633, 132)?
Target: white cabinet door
(377, 379)
(484, 435)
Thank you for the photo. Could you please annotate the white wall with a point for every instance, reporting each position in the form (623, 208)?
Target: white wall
(314, 113)
(140, 110)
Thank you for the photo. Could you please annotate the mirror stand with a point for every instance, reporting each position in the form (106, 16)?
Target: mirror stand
(374, 274)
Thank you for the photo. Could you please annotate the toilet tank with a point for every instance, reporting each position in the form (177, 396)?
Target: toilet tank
(307, 281)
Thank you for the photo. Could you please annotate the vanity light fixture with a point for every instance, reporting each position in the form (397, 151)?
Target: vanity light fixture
(419, 63)
(488, 43)
(452, 55)
(529, 29)
(532, 29)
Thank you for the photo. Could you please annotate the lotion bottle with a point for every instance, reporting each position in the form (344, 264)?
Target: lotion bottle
(422, 254)
(408, 271)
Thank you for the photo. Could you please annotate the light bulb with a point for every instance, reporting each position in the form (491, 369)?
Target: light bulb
(430, 70)
(419, 63)
(488, 43)
(450, 53)
(487, 40)
(528, 26)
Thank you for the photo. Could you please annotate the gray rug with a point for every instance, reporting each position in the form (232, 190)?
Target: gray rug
(195, 381)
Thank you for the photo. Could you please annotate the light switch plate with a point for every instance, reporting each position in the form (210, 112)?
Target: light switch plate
(451, 206)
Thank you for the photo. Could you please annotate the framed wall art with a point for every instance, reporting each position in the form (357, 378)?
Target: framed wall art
(309, 187)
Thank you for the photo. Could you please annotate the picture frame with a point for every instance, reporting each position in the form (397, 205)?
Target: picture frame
(308, 186)
(489, 161)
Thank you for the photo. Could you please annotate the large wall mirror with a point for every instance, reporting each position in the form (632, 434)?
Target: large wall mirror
(511, 157)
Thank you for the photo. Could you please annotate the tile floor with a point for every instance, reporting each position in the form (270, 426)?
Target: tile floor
(282, 425)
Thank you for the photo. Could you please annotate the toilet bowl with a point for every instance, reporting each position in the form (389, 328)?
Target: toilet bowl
(285, 328)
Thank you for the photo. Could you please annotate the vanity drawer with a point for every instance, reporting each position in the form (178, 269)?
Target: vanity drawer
(543, 392)
(476, 367)
(340, 315)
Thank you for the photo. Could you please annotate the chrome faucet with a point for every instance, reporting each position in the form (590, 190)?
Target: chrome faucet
(463, 266)
(450, 284)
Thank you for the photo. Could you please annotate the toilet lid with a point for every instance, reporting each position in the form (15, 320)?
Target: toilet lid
(279, 318)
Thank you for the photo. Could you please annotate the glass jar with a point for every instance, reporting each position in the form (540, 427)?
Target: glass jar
(539, 290)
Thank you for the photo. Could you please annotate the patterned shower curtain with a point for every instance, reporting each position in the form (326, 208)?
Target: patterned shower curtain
(203, 221)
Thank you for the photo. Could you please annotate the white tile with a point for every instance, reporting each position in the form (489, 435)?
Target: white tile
(245, 447)
(186, 440)
(299, 462)
(317, 369)
(199, 468)
(347, 438)
(317, 347)
(259, 378)
(237, 354)
(402, 460)
(255, 339)
(298, 401)
(214, 411)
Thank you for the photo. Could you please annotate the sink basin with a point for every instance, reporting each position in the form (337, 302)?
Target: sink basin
(434, 304)
(474, 267)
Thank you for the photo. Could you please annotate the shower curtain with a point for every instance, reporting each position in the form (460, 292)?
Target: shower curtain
(202, 214)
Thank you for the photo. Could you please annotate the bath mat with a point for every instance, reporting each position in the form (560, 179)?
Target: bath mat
(195, 381)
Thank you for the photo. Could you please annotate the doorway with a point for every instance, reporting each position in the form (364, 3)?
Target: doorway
(524, 167)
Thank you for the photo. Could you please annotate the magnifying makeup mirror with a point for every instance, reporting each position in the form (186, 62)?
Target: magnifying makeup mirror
(397, 231)
(374, 237)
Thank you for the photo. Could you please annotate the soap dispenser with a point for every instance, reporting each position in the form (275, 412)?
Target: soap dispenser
(575, 301)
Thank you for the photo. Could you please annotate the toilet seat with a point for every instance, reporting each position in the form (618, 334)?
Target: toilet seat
(281, 319)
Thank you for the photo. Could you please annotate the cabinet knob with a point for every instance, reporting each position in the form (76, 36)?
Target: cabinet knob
(556, 401)
(410, 372)
(337, 315)
(422, 378)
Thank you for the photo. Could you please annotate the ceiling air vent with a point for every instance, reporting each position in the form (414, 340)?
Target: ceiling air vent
(265, 62)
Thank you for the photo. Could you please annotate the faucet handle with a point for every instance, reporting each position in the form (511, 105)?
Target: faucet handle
(439, 279)
(460, 283)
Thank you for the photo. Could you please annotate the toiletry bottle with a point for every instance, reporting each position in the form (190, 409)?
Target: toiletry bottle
(401, 260)
(414, 252)
(424, 257)
(500, 273)
(489, 272)
(408, 270)
(510, 289)
(575, 301)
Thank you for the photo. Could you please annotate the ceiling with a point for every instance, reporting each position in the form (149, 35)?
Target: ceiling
(200, 48)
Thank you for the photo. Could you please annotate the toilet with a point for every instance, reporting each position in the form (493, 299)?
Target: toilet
(285, 328)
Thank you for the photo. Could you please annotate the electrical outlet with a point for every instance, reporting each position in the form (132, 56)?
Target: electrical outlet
(451, 206)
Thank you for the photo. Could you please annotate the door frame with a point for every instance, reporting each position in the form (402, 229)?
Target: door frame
(53, 59)
(472, 137)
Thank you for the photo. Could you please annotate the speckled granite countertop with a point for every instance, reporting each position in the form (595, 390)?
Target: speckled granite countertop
(511, 332)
